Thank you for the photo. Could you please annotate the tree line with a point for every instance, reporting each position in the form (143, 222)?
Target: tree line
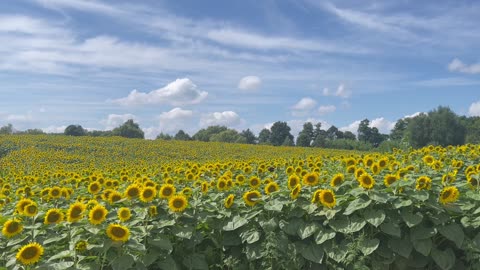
(440, 126)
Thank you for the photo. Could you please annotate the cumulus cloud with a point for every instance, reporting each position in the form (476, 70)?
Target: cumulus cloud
(340, 92)
(226, 118)
(180, 92)
(412, 115)
(458, 66)
(383, 125)
(305, 103)
(249, 83)
(353, 127)
(474, 109)
(326, 109)
(114, 120)
(174, 119)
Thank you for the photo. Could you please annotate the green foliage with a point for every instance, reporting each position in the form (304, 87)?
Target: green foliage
(75, 130)
(280, 131)
(129, 129)
(182, 136)
(6, 130)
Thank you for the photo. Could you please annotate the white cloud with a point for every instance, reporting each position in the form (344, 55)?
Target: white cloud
(353, 127)
(19, 117)
(412, 115)
(474, 109)
(179, 92)
(305, 104)
(326, 109)
(249, 83)
(54, 129)
(341, 92)
(459, 66)
(297, 125)
(383, 125)
(226, 118)
(175, 119)
(114, 120)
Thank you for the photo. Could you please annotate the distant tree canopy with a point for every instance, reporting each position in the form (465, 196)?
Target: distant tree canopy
(129, 129)
(5, 130)
(75, 130)
(182, 136)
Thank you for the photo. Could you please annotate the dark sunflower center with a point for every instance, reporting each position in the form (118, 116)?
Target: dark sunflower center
(29, 253)
(272, 188)
(53, 217)
(97, 214)
(31, 209)
(118, 232)
(76, 212)
(221, 184)
(133, 192)
(55, 192)
(367, 181)
(178, 203)
(147, 193)
(328, 197)
(124, 214)
(254, 182)
(311, 179)
(251, 197)
(94, 187)
(13, 227)
(446, 194)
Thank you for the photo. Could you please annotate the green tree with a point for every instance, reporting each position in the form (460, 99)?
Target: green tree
(446, 127)
(419, 130)
(364, 131)
(305, 137)
(129, 129)
(348, 135)
(472, 126)
(249, 136)
(229, 135)
(163, 136)
(205, 134)
(75, 130)
(399, 130)
(280, 131)
(8, 129)
(264, 136)
(182, 136)
(288, 142)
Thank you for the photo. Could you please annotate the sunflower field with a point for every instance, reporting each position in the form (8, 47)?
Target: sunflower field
(114, 203)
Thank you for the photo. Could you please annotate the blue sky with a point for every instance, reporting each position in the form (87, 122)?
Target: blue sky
(182, 64)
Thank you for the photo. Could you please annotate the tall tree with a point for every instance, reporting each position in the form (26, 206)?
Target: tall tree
(205, 134)
(129, 129)
(364, 131)
(398, 131)
(280, 131)
(348, 135)
(229, 135)
(446, 127)
(419, 130)
(264, 136)
(8, 129)
(305, 137)
(75, 130)
(249, 136)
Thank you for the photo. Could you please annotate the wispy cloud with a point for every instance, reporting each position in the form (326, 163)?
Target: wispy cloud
(458, 66)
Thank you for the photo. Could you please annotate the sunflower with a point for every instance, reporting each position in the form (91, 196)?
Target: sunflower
(22, 203)
(204, 186)
(389, 179)
(53, 216)
(289, 170)
(12, 227)
(94, 187)
(293, 180)
(152, 210)
(132, 191)
(366, 181)
(327, 198)
(117, 232)
(254, 182)
(29, 253)
(271, 187)
(124, 214)
(55, 192)
(114, 197)
(295, 192)
(81, 246)
(359, 172)
(229, 201)
(351, 169)
(337, 180)
(148, 194)
(251, 197)
(177, 203)
(448, 178)
(428, 159)
(473, 182)
(75, 212)
(423, 182)
(98, 214)
(449, 195)
(375, 168)
(167, 191)
(186, 191)
(316, 196)
(383, 163)
(240, 178)
(310, 179)
(30, 210)
(221, 184)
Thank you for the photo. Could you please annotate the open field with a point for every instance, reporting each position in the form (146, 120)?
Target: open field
(114, 203)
